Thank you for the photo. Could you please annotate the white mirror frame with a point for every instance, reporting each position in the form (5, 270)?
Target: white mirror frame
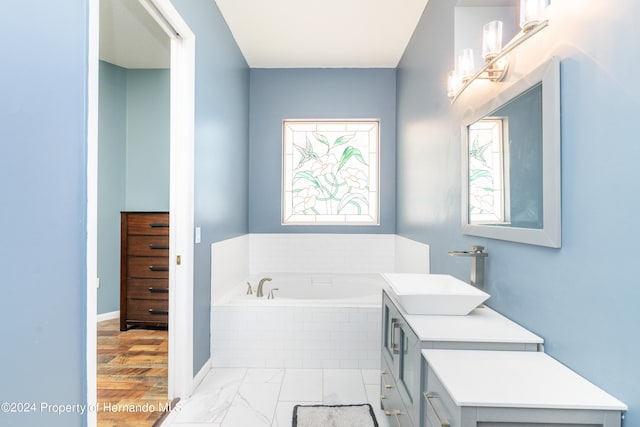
(550, 235)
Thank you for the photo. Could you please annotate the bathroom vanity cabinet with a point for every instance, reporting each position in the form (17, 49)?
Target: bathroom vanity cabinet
(504, 388)
(144, 269)
(405, 336)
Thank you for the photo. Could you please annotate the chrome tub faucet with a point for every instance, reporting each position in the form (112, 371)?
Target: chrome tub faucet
(259, 292)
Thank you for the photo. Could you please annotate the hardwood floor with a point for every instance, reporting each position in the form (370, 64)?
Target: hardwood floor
(132, 375)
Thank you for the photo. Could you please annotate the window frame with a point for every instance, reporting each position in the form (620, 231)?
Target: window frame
(363, 132)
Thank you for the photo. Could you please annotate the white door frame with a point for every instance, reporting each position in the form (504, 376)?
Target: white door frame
(181, 199)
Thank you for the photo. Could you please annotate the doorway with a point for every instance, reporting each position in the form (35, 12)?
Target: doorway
(182, 63)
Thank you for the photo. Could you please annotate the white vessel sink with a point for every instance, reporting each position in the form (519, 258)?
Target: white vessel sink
(439, 294)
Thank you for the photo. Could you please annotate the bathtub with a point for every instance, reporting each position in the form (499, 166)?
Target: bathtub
(342, 290)
(313, 321)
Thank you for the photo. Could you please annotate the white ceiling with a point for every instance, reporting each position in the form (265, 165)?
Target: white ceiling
(275, 33)
(322, 33)
(130, 38)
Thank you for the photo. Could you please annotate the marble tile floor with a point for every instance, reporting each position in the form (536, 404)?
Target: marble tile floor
(252, 397)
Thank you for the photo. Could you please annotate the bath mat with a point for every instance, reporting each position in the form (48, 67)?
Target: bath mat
(334, 416)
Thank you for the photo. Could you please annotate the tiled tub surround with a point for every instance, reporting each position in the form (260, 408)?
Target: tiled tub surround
(314, 321)
(232, 260)
(306, 331)
(272, 336)
(323, 253)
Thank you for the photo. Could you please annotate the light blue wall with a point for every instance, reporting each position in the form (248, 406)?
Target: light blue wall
(147, 140)
(43, 118)
(222, 150)
(112, 151)
(133, 161)
(278, 94)
(582, 298)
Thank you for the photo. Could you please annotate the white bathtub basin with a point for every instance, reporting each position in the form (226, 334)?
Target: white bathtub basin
(439, 294)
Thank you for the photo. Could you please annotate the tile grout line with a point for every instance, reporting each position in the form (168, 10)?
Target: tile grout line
(275, 411)
(322, 388)
(235, 396)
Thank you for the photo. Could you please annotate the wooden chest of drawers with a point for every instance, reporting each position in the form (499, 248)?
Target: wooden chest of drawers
(144, 269)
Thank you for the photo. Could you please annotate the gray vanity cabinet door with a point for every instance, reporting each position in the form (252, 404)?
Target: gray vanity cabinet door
(389, 322)
(400, 349)
(409, 371)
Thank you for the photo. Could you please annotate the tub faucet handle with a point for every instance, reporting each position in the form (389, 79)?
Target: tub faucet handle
(271, 295)
(249, 289)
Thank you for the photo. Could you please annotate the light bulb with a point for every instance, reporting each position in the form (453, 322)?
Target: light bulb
(491, 40)
(453, 83)
(530, 12)
(466, 65)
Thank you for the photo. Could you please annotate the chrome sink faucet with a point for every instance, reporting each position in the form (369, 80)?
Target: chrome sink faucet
(477, 264)
(259, 292)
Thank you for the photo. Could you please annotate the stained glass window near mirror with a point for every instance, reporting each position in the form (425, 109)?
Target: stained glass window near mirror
(488, 171)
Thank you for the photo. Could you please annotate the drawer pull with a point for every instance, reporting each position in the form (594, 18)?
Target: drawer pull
(159, 225)
(159, 290)
(428, 396)
(395, 323)
(396, 413)
(158, 312)
(154, 246)
(388, 386)
(158, 268)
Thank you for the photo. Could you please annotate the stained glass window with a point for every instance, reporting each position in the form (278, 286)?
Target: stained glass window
(330, 172)
(488, 161)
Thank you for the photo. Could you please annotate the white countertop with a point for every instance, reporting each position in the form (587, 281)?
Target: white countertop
(481, 325)
(515, 379)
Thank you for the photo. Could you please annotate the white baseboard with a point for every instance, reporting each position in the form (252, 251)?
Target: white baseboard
(201, 374)
(108, 316)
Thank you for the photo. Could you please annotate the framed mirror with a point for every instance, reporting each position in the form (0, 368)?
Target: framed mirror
(511, 162)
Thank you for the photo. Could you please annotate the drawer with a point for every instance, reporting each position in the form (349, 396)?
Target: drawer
(148, 245)
(390, 400)
(143, 310)
(154, 224)
(148, 289)
(148, 267)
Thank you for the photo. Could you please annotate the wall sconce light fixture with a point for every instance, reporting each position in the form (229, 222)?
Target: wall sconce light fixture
(494, 54)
